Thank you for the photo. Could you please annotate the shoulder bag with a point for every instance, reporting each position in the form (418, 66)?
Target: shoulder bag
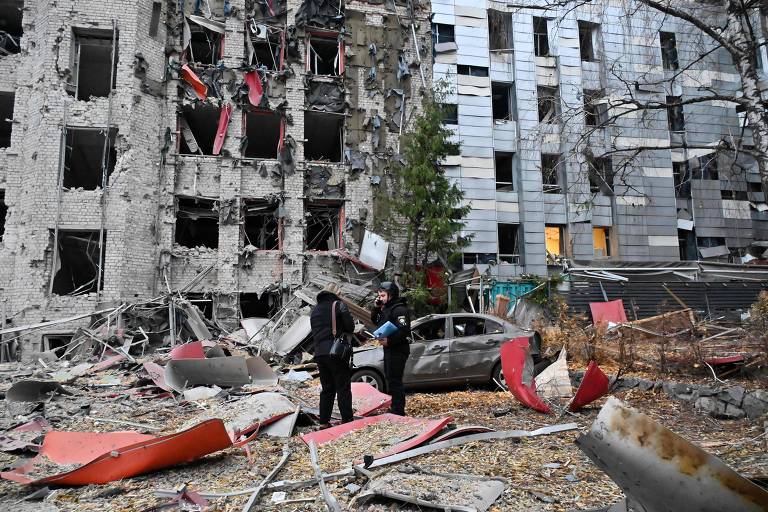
(340, 348)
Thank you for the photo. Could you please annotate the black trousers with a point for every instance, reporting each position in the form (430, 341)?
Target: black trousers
(394, 367)
(336, 381)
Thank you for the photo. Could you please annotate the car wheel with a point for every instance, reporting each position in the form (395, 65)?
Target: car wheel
(371, 377)
(498, 378)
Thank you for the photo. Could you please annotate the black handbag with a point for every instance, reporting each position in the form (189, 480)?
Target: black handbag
(340, 348)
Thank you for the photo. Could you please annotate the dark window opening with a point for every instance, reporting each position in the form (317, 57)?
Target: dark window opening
(595, 108)
(668, 50)
(548, 100)
(588, 34)
(509, 248)
(503, 101)
(6, 118)
(205, 45)
(324, 135)
(686, 241)
(675, 116)
(262, 130)
(708, 242)
(154, 21)
(708, 168)
(681, 173)
(430, 330)
(197, 125)
(10, 26)
(58, 343)
(737, 195)
(94, 72)
(85, 157)
(77, 264)
(442, 33)
(266, 54)
(504, 163)
(263, 45)
(450, 113)
(464, 326)
(601, 175)
(323, 221)
(3, 213)
(323, 56)
(204, 304)
(540, 37)
(755, 186)
(254, 306)
(197, 223)
(479, 258)
(499, 30)
(261, 225)
(463, 69)
(550, 174)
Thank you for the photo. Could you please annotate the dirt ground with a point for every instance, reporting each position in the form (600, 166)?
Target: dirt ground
(542, 473)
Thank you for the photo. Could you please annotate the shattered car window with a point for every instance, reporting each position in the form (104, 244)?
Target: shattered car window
(469, 326)
(430, 330)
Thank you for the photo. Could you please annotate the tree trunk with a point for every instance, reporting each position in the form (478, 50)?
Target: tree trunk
(406, 255)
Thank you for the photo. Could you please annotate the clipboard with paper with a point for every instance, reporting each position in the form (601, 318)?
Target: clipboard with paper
(385, 331)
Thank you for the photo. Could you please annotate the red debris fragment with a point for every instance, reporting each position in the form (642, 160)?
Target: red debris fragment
(368, 399)
(514, 356)
(221, 131)
(605, 312)
(192, 350)
(255, 87)
(192, 79)
(594, 385)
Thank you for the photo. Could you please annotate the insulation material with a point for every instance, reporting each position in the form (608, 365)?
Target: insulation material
(221, 131)
(323, 182)
(189, 76)
(326, 97)
(554, 381)
(319, 13)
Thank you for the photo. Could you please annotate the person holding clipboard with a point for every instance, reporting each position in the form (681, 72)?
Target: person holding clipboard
(391, 316)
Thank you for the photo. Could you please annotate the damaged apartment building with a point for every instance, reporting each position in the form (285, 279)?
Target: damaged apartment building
(224, 149)
(528, 83)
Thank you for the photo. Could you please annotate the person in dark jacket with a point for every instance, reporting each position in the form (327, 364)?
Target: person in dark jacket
(390, 307)
(335, 372)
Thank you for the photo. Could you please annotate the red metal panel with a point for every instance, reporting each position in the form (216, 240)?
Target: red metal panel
(726, 360)
(108, 362)
(118, 455)
(368, 399)
(221, 131)
(594, 385)
(157, 374)
(612, 311)
(514, 354)
(192, 350)
(255, 88)
(423, 428)
(462, 431)
(191, 78)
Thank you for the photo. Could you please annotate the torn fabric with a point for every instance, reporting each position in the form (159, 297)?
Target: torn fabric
(221, 131)
(255, 88)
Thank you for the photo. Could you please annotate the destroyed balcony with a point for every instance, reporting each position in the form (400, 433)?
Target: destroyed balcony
(202, 128)
(324, 182)
(263, 45)
(261, 226)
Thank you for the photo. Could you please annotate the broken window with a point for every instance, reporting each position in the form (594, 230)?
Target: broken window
(463, 69)
(206, 43)
(442, 33)
(464, 326)
(88, 152)
(668, 50)
(262, 131)
(550, 174)
(738, 195)
(6, 118)
(707, 242)
(499, 30)
(430, 330)
(681, 173)
(540, 37)
(503, 101)
(197, 223)
(554, 239)
(324, 55)
(504, 163)
(58, 343)
(509, 249)
(154, 21)
(478, 258)
(203, 302)
(755, 186)
(708, 168)
(3, 213)
(595, 108)
(588, 37)
(94, 64)
(265, 43)
(254, 306)
(323, 221)
(601, 175)
(686, 241)
(450, 113)
(548, 100)
(76, 265)
(10, 26)
(675, 116)
(198, 124)
(323, 136)
(261, 225)
(601, 242)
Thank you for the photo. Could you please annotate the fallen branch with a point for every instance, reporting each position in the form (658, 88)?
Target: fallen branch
(267, 479)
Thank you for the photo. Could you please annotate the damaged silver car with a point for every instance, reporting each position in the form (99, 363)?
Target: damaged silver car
(453, 349)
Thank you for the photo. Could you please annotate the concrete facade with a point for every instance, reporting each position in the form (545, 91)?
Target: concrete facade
(171, 210)
(648, 217)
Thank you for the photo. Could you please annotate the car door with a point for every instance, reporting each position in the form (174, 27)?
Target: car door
(474, 346)
(429, 360)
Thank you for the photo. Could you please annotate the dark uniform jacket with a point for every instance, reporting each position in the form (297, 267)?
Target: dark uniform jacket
(320, 319)
(395, 311)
